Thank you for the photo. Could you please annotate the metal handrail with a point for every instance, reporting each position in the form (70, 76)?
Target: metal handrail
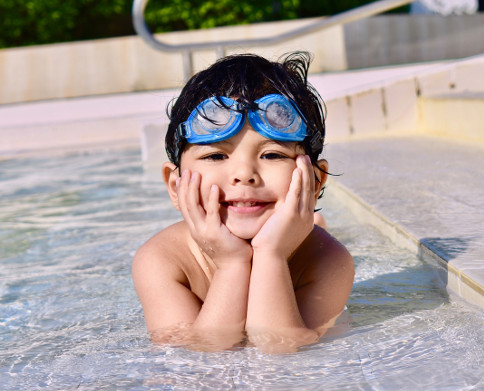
(364, 11)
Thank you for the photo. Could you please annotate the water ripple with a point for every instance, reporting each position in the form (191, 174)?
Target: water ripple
(70, 319)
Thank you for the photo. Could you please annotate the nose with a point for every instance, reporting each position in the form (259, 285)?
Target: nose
(245, 173)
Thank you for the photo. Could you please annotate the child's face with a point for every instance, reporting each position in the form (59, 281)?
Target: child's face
(252, 172)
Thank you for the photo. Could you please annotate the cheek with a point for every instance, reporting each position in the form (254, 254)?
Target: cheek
(282, 180)
(283, 187)
(205, 187)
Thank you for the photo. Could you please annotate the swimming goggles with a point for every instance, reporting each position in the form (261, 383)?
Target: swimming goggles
(219, 118)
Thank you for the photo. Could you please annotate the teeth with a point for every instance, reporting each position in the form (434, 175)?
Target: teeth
(241, 204)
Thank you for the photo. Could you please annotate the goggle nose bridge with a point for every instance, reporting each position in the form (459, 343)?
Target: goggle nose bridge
(247, 106)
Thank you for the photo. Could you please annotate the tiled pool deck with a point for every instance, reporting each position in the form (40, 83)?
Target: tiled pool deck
(424, 192)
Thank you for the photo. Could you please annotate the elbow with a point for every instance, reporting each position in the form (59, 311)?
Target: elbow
(198, 338)
(287, 340)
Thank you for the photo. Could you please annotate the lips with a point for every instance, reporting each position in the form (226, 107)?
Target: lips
(242, 204)
(245, 206)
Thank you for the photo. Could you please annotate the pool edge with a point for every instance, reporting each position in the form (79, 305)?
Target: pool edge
(453, 278)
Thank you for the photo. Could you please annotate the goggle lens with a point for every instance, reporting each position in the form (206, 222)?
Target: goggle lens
(210, 118)
(279, 116)
(276, 118)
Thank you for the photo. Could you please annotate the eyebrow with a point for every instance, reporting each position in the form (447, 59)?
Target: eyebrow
(277, 142)
(261, 145)
(201, 146)
(284, 144)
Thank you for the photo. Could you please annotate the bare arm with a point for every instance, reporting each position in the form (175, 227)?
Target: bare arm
(274, 321)
(280, 318)
(326, 284)
(167, 300)
(258, 298)
(162, 286)
(175, 315)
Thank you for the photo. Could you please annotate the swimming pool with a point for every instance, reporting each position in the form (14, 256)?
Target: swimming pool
(70, 318)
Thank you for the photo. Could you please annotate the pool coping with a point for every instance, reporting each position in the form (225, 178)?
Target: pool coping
(455, 280)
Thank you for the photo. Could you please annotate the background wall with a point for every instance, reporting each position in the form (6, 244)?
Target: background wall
(127, 64)
(401, 39)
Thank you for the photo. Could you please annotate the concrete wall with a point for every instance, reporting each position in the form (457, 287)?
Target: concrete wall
(440, 100)
(127, 64)
(401, 39)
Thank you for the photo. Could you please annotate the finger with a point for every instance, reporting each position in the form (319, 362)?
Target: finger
(182, 190)
(213, 207)
(193, 198)
(188, 195)
(294, 192)
(306, 199)
(312, 177)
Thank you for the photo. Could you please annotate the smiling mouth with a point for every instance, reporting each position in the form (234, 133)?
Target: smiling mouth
(244, 204)
(244, 208)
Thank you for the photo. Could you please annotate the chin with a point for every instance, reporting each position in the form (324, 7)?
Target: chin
(243, 233)
(245, 236)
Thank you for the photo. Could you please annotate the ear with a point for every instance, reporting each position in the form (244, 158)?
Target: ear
(170, 173)
(321, 175)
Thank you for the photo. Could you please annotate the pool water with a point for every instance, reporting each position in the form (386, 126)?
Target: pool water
(70, 318)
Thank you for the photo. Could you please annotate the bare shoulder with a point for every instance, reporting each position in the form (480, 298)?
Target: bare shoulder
(162, 254)
(322, 255)
(323, 277)
(161, 276)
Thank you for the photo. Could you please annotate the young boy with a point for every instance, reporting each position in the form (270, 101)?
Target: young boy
(247, 261)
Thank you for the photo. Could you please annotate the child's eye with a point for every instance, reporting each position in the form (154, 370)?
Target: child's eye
(274, 155)
(215, 156)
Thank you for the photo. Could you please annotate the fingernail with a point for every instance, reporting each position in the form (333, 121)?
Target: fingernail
(184, 173)
(177, 183)
(213, 188)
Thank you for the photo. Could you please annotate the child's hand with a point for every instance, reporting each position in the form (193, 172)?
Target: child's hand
(205, 225)
(293, 220)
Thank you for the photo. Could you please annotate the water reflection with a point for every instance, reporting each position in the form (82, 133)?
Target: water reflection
(70, 319)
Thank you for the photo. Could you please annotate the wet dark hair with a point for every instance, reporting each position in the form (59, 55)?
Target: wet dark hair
(246, 78)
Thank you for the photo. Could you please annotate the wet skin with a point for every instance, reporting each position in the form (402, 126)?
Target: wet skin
(247, 257)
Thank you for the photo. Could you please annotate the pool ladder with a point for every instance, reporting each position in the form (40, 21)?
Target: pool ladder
(187, 49)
